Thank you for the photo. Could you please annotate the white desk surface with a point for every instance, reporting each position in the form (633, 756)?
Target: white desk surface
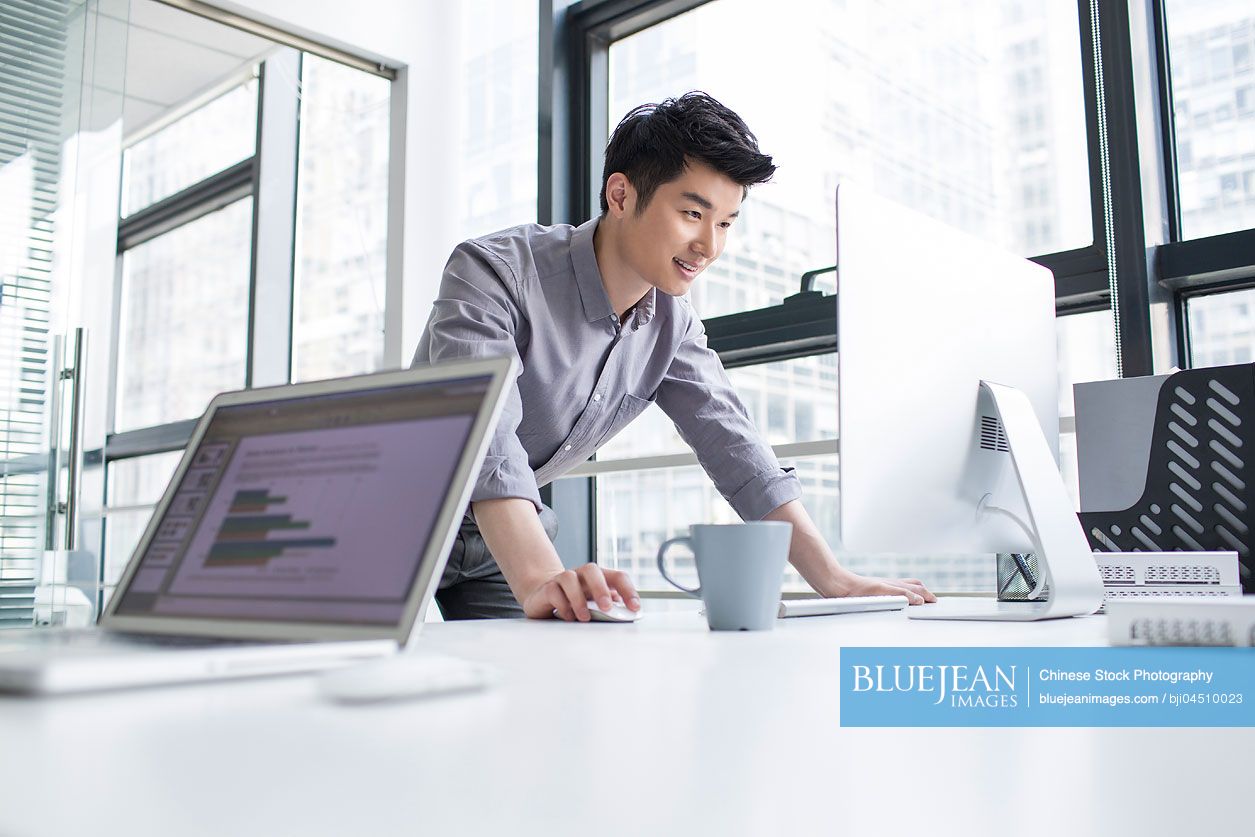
(656, 728)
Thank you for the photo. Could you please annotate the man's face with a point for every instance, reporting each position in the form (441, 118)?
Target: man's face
(682, 229)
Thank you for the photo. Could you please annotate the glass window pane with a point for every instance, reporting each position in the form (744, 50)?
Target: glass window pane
(184, 318)
(788, 401)
(206, 141)
(1211, 45)
(137, 482)
(1087, 352)
(498, 131)
(1222, 329)
(637, 511)
(341, 221)
(973, 114)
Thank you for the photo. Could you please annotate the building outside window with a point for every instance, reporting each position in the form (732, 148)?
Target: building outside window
(1211, 47)
(341, 221)
(971, 114)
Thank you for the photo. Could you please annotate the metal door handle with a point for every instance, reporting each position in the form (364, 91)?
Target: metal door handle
(74, 457)
(72, 486)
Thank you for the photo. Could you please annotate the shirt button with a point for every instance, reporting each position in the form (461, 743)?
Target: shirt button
(568, 447)
(597, 396)
(614, 317)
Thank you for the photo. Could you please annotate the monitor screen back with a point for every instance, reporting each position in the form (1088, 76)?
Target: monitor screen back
(926, 312)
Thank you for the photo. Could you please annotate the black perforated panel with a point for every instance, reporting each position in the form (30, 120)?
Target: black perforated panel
(1198, 483)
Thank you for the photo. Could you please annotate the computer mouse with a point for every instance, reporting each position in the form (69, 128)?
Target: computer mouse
(618, 613)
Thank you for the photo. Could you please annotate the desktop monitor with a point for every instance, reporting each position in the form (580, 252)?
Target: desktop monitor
(948, 407)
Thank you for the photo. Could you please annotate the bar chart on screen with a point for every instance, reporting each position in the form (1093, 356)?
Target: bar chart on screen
(325, 513)
(244, 539)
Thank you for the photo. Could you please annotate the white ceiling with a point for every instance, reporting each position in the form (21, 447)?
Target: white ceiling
(173, 57)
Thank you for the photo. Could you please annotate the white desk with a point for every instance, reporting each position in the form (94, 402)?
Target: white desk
(656, 728)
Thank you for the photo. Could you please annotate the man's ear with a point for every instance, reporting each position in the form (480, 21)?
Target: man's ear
(620, 195)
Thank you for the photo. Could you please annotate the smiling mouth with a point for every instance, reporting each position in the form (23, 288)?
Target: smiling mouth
(687, 267)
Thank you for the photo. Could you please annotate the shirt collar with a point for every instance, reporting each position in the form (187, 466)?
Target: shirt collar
(645, 308)
(587, 274)
(588, 279)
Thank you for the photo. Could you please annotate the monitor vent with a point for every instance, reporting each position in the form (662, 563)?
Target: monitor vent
(992, 436)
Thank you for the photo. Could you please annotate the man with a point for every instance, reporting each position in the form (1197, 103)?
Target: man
(597, 317)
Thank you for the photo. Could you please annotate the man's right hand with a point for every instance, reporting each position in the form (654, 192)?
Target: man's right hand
(566, 594)
(512, 531)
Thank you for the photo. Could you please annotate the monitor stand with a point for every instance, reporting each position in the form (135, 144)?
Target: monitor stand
(1064, 557)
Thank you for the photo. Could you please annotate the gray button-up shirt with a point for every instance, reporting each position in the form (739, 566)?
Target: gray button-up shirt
(536, 293)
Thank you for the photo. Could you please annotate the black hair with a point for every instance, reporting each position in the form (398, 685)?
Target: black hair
(654, 143)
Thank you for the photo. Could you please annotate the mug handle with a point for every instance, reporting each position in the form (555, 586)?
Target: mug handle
(695, 592)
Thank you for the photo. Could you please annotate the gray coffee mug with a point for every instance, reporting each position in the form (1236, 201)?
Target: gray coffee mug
(740, 568)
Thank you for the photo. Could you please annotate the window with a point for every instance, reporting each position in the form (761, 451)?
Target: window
(1086, 348)
(638, 510)
(135, 486)
(1209, 49)
(1221, 328)
(341, 221)
(498, 131)
(183, 333)
(206, 141)
(912, 102)
(172, 358)
(805, 388)
(789, 401)
(287, 171)
(1210, 43)
(1087, 352)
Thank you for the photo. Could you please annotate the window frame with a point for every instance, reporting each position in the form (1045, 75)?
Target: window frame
(1188, 268)
(1111, 272)
(275, 151)
(270, 178)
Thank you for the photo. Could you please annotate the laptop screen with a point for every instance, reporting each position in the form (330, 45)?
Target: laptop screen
(313, 509)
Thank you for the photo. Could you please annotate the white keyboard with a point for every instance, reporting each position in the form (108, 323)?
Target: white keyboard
(848, 604)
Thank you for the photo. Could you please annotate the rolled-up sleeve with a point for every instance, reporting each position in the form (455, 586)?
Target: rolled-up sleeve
(476, 315)
(697, 395)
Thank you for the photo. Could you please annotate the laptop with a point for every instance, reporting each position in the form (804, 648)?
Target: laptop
(307, 526)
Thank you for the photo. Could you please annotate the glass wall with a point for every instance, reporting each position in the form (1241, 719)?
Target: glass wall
(186, 329)
(35, 54)
(172, 357)
(61, 66)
